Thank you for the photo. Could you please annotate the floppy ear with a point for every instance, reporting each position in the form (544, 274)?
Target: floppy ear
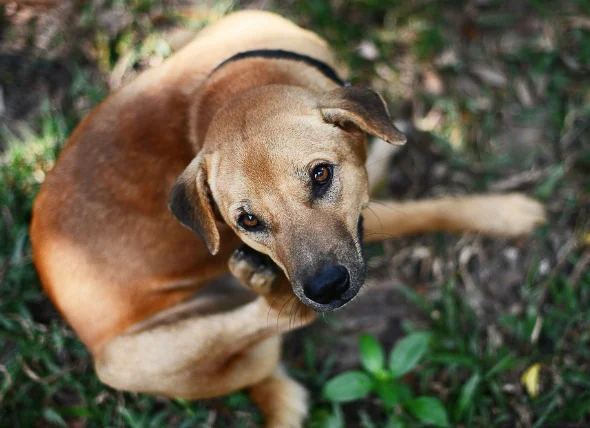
(363, 108)
(190, 203)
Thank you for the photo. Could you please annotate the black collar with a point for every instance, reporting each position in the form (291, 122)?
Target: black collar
(322, 67)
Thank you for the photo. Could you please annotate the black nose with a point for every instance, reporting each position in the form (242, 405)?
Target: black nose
(328, 284)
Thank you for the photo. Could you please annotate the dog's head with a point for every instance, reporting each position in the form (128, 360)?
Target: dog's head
(284, 168)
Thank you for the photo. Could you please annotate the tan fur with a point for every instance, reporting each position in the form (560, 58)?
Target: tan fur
(120, 268)
(508, 215)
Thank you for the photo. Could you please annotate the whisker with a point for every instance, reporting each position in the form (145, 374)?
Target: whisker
(376, 216)
(388, 235)
(294, 311)
(297, 306)
(297, 311)
(291, 314)
(269, 310)
(305, 316)
(396, 207)
(381, 236)
(279, 315)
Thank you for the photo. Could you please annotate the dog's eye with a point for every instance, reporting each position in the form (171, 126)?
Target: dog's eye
(321, 174)
(248, 221)
(321, 177)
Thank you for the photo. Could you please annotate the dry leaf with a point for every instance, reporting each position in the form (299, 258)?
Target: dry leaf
(523, 92)
(580, 22)
(433, 82)
(530, 380)
(487, 74)
(368, 50)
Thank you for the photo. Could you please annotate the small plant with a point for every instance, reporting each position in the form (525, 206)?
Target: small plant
(387, 383)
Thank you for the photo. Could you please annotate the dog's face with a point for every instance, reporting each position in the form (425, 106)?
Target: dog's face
(285, 170)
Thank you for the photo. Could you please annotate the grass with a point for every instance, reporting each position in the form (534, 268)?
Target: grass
(476, 357)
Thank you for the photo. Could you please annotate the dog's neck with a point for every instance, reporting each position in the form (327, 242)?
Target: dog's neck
(324, 68)
(234, 77)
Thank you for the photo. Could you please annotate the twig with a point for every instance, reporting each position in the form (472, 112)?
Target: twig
(8, 378)
(34, 3)
(518, 180)
(571, 246)
(43, 380)
(573, 132)
(3, 269)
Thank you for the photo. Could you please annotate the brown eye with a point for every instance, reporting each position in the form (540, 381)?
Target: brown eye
(321, 174)
(248, 221)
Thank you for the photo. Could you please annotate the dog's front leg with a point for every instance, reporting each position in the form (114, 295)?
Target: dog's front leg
(254, 270)
(202, 356)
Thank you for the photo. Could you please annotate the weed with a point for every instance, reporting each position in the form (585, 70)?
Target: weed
(386, 382)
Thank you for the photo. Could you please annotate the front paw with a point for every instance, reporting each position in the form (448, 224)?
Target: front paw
(253, 269)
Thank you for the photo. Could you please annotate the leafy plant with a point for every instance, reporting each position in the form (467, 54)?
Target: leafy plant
(386, 381)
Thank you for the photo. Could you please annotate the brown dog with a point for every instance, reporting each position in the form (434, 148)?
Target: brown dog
(275, 147)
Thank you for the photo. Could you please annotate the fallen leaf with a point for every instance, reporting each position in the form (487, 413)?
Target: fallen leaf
(523, 92)
(448, 58)
(580, 22)
(530, 380)
(368, 50)
(433, 82)
(492, 77)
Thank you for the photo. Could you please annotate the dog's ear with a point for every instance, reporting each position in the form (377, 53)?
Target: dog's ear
(190, 202)
(363, 108)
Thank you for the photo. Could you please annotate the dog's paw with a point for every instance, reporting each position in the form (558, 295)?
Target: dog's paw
(511, 215)
(253, 269)
(283, 401)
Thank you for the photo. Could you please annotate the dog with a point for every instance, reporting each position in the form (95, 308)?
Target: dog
(244, 146)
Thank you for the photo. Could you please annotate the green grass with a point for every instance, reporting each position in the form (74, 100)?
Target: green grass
(46, 376)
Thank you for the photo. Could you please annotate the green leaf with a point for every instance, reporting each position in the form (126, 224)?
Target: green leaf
(331, 422)
(389, 392)
(323, 418)
(453, 359)
(504, 364)
(77, 411)
(338, 415)
(129, 418)
(365, 421)
(550, 184)
(404, 391)
(55, 418)
(428, 410)
(348, 386)
(408, 352)
(467, 392)
(415, 299)
(372, 355)
(395, 422)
